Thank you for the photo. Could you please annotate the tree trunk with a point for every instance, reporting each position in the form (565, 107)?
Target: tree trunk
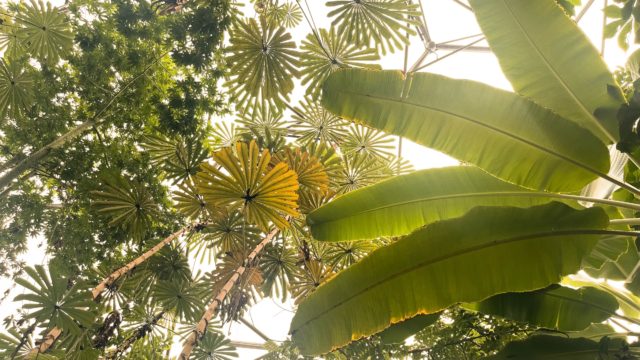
(201, 328)
(53, 335)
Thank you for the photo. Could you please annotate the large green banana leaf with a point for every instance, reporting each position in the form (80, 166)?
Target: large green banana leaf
(500, 132)
(548, 59)
(404, 203)
(549, 347)
(488, 251)
(398, 333)
(555, 307)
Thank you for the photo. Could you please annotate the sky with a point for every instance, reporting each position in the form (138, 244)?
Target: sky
(446, 21)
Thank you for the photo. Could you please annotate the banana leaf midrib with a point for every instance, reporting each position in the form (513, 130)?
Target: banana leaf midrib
(555, 72)
(520, 139)
(460, 252)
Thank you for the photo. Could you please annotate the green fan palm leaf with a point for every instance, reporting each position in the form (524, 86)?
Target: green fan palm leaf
(16, 88)
(250, 185)
(45, 31)
(384, 23)
(321, 58)
(263, 62)
(50, 300)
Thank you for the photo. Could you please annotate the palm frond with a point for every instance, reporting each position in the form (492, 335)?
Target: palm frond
(229, 232)
(221, 135)
(52, 301)
(383, 23)
(366, 141)
(248, 184)
(278, 265)
(288, 14)
(189, 202)
(311, 174)
(263, 62)
(359, 171)
(331, 53)
(315, 124)
(45, 31)
(183, 298)
(128, 204)
(16, 88)
(214, 346)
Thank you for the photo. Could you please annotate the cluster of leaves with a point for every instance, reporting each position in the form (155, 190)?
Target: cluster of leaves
(264, 59)
(625, 22)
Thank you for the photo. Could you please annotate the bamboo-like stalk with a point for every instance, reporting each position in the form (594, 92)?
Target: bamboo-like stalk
(55, 333)
(212, 309)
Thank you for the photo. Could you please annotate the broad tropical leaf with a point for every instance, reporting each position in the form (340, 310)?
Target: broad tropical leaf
(399, 332)
(551, 61)
(556, 347)
(333, 52)
(263, 62)
(400, 205)
(474, 123)
(50, 300)
(16, 88)
(559, 308)
(45, 31)
(437, 266)
(248, 184)
(382, 23)
(214, 346)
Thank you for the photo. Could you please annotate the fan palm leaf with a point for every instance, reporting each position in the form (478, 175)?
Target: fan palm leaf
(249, 184)
(183, 298)
(328, 52)
(311, 174)
(263, 62)
(214, 346)
(45, 31)
(16, 88)
(288, 14)
(384, 23)
(369, 142)
(54, 302)
(128, 204)
(315, 124)
(228, 231)
(189, 202)
(221, 135)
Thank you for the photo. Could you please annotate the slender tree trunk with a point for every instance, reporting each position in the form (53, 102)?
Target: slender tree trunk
(141, 332)
(212, 309)
(34, 158)
(53, 335)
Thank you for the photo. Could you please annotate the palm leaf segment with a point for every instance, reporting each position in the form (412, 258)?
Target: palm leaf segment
(16, 88)
(53, 302)
(45, 31)
(331, 53)
(127, 204)
(315, 124)
(263, 62)
(214, 346)
(288, 14)
(384, 23)
(246, 181)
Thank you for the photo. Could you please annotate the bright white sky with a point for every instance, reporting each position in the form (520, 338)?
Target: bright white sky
(446, 21)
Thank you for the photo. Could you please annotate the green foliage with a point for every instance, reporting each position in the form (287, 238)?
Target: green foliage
(214, 346)
(625, 16)
(263, 61)
(381, 23)
(558, 235)
(55, 301)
